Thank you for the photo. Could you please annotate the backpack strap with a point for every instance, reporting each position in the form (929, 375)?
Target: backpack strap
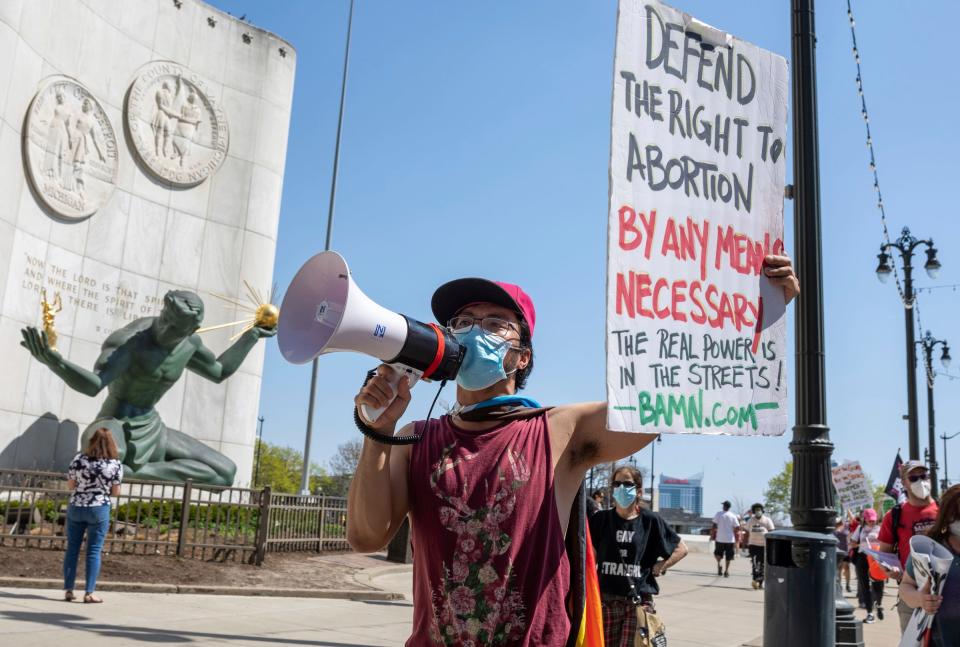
(895, 518)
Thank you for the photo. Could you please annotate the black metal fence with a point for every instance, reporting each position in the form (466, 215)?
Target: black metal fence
(184, 519)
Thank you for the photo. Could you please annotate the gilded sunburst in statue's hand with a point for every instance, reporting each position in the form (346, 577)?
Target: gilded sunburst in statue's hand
(266, 316)
(262, 313)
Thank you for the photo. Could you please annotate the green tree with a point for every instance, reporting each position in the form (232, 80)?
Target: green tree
(881, 500)
(328, 484)
(777, 494)
(280, 468)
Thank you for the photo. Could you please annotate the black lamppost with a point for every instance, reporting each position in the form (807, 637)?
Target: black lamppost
(815, 594)
(812, 498)
(928, 343)
(653, 456)
(906, 244)
(946, 472)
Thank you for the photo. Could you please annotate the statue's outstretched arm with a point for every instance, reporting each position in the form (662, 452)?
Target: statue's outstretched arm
(77, 378)
(217, 369)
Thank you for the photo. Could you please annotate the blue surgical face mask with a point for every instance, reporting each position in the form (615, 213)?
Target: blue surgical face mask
(625, 496)
(483, 364)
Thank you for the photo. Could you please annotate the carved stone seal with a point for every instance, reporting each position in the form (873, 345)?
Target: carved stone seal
(69, 148)
(176, 126)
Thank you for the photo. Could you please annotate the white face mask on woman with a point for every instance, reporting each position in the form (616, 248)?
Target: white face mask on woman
(955, 528)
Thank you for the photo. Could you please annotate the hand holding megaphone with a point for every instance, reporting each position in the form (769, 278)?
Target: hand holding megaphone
(324, 311)
(385, 396)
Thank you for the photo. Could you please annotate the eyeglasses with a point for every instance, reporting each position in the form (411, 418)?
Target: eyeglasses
(913, 478)
(624, 484)
(493, 325)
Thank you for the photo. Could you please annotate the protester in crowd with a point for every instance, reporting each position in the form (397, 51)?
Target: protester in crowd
(855, 521)
(842, 533)
(490, 486)
(945, 631)
(94, 476)
(634, 546)
(743, 539)
(756, 529)
(595, 503)
(725, 528)
(870, 591)
(905, 520)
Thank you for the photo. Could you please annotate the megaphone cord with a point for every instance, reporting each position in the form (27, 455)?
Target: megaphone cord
(375, 435)
(443, 383)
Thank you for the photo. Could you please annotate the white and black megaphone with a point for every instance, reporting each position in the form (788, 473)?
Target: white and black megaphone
(324, 311)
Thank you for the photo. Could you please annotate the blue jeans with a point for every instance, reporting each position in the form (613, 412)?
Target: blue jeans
(94, 520)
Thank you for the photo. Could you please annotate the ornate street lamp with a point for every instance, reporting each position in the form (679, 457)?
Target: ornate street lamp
(906, 244)
(946, 472)
(928, 343)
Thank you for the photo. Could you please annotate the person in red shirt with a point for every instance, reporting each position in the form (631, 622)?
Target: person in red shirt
(914, 517)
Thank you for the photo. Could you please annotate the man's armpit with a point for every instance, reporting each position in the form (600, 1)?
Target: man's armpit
(585, 453)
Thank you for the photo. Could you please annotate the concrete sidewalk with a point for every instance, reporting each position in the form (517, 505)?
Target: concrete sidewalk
(36, 618)
(699, 609)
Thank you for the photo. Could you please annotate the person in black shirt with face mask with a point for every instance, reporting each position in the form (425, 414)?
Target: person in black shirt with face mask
(634, 546)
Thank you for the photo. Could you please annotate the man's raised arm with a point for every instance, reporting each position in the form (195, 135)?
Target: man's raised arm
(591, 443)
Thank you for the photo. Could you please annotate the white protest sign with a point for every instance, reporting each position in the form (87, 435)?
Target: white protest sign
(852, 486)
(696, 336)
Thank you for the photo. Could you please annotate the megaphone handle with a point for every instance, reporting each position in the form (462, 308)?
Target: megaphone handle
(398, 372)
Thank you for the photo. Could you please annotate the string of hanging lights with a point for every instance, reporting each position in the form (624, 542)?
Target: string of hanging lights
(872, 153)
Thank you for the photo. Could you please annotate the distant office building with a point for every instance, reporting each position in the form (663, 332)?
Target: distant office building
(682, 494)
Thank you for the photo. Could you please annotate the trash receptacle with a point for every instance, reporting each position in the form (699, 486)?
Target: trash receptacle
(800, 584)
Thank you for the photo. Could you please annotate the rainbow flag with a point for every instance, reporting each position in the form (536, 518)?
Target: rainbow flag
(591, 625)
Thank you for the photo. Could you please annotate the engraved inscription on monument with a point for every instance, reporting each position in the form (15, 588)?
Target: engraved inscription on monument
(176, 126)
(69, 148)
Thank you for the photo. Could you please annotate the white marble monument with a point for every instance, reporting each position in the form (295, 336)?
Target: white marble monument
(142, 149)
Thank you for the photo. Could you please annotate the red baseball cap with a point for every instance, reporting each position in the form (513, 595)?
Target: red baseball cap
(452, 297)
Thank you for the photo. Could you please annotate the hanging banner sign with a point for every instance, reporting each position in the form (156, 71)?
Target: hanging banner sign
(852, 486)
(696, 336)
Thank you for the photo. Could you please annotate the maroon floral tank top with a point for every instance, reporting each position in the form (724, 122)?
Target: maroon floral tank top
(489, 564)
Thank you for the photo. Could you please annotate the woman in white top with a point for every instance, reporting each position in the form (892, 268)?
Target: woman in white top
(757, 526)
(94, 477)
(870, 591)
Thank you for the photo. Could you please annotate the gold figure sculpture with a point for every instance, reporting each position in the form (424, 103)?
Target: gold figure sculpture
(262, 314)
(50, 311)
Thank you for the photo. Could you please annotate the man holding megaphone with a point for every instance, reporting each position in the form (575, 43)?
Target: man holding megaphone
(490, 486)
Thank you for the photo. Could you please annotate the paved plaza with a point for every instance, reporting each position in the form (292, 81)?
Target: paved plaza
(699, 609)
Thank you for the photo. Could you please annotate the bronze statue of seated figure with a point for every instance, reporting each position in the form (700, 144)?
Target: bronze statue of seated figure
(137, 365)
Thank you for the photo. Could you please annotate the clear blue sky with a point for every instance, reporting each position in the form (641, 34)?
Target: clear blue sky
(476, 142)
